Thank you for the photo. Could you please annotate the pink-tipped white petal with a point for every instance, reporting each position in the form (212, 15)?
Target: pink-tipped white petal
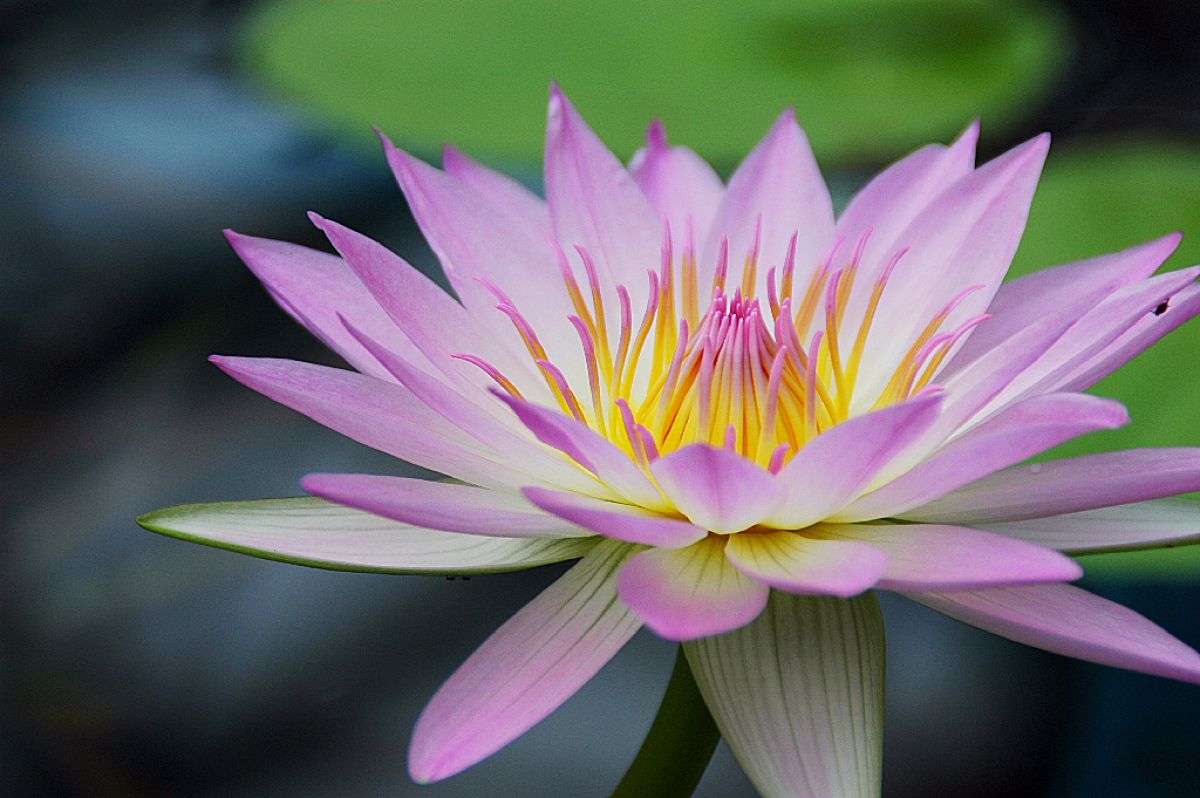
(780, 185)
(533, 663)
(314, 287)
(798, 564)
(615, 520)
(1018, 433)
(517, 202)
(798, 695)
(933, 557)
(379, 414)
(683, 594)
(1070, 621)
(1144, 525)
(717, 489)
(1068, 486)
(441, 505)
(313, 532)
(595, 203)
(680, 185)
(836, 466)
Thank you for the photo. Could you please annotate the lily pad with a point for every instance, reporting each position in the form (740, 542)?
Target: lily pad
(869, 78)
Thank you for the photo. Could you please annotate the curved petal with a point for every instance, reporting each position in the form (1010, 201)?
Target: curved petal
(680, 185)
(1023, 430)
(834, 467)
(313, 532)
(595, 203)
(1070, 621)
(379, 414)
(932, 557)
(613, 520)
(1068, 486)
(800, 564)
(441, 505)
(798, 695)
(1144, 525)
(509, 196)
(717, 489)
(528, 667)
(683, 594)
(778, 183)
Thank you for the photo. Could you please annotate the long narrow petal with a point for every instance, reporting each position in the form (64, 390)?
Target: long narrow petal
(1067, 620)
(716, 488)
(533, 663)
(379, 414)
(837, 465)
(1016, 434)
(683, 594)
(313, 532)
(314, 287)
(680, 185)
(1144, 525)
(778, 183)
(933, 557)
(614, 520)
(509, 196)
(441, 505)
(1068, 486)
(799, 564)
(798, 695)
(595, 203)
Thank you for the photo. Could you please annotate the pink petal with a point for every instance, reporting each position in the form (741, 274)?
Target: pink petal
(595, 203)
(440, 505)
(379, 414)
(682, 594)
(1152, 524)
(1023, 430)
(517, 202)
(798, 695)
(1068, 486)
(779, 183)
(526, 669)
(798, 564)
(717, 489)
(1070, 621)
(833, 468)
(615, 520)
(314, 287)
(930, 557)
(680, 185)
(313, 532)
(612, 466)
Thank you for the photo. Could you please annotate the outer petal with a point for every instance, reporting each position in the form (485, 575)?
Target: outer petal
(314, 287)
(930, 557)
(799, 564)
(687, 593)
(526, 669)
(1018, 433)
(1152, 524)
(680, 185)
(441, 505)
(513, 199)
(314, 532)
(619, 521)
(831, 471)
(379, 414)
(780, 183)
(595, 203)
(1068, 486)
(716, 488)
(1067, 620)
(798, 695)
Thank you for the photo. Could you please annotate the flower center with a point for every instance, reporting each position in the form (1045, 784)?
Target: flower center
(761, 381)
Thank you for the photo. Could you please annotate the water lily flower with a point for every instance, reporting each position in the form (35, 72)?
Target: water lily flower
(740, 413)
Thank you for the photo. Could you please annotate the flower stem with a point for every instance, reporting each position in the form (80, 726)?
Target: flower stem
(679, 745)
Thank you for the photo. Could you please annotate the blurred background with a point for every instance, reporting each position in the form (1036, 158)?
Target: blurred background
(131, 133)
